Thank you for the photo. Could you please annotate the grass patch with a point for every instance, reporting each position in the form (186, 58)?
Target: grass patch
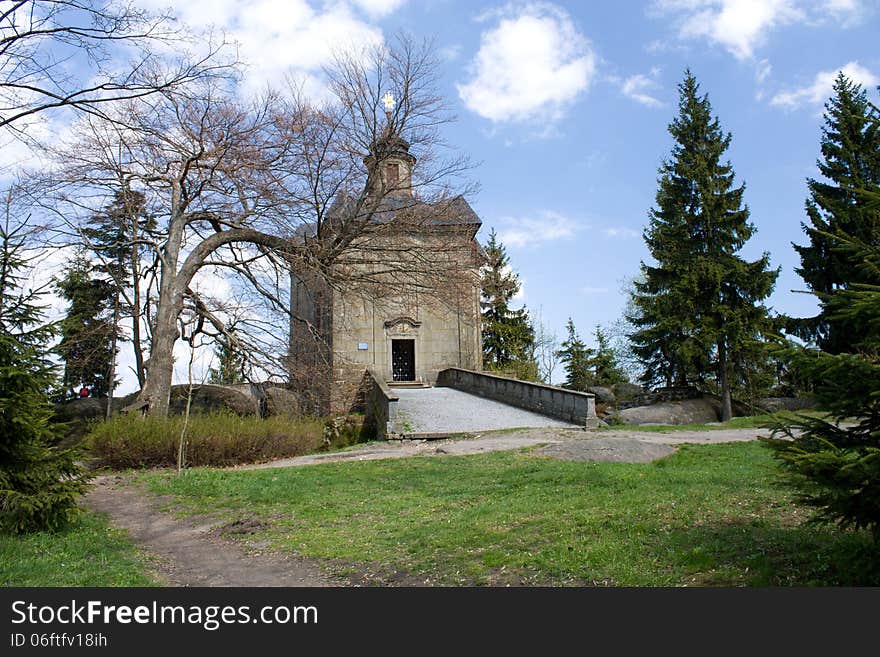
(710, 514)
(89, 552)
(218, 439)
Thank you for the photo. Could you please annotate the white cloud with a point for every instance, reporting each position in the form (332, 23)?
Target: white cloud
(531, 65)
(379, 8)
(742, 26)
(821, 88)
(621, 232)
(639, 87)
(450, 53)
(546, 227)
(848, 12)
(277, 37)
(763, 71)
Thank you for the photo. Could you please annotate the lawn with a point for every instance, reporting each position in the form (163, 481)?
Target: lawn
(707, 515)
(87, 553)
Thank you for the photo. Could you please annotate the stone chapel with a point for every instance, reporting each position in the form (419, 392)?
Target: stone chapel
(407, 321)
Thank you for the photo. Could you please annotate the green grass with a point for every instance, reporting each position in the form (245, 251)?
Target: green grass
(710, 514)
(88, 553)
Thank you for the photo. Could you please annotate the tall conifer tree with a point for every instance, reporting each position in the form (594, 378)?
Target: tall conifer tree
(87, 331)
(116, 235)
(837, 204)
(508, 335)
(39, 483)
(576, 358)
(700, 305)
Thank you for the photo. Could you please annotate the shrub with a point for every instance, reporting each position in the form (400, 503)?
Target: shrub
(215, 439)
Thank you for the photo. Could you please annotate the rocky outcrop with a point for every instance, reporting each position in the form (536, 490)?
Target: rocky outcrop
(775, 404)
(207, 398)
(603, 395)
(686, 411)
(280, 401)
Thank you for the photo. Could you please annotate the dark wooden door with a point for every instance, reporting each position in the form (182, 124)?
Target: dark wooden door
(403, 360)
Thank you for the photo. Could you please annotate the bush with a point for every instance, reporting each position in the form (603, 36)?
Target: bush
(215, 439)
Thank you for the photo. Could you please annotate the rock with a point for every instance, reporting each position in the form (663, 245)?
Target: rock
(207, 398)
(687, 411)
(774, 404)
(627, 390)
(603, 395)
(80, 410)
(77, 414)
(280, 401)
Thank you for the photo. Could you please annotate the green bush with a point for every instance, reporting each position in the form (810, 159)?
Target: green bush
(215, 439)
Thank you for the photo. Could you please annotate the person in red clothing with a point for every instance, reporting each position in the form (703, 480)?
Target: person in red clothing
(83, 392)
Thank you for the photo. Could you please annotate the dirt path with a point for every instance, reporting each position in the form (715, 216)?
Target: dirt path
(189, 554)
(616, 442)
(193, 553)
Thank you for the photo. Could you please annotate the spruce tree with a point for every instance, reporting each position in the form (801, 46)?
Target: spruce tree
(836, 466)
(508, 335)
(39, 482)
(576, 359)
(116, 235)
(700, 305)
(231, 365)
(603, 363)
(86, 345)
(850, 161)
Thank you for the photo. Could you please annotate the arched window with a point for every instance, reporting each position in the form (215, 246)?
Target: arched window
(392, 173)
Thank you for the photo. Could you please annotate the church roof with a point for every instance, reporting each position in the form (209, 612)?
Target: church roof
(454, 212)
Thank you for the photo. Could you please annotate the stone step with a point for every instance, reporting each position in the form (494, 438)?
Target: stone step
(407, 384)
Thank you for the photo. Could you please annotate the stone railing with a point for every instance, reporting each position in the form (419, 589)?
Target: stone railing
(380, 404)
(568, 405)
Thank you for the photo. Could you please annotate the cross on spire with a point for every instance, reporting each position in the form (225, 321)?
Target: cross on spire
(388, 101)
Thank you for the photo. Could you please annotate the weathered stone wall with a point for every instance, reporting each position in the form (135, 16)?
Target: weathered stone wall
(437, 308)
(380, 405)
(569, 405)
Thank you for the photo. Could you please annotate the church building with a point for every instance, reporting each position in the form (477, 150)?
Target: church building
(405, 302)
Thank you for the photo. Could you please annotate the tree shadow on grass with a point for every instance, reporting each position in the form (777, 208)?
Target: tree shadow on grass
(759, 553)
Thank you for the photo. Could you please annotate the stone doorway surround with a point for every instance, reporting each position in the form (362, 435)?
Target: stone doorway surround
(402, 346)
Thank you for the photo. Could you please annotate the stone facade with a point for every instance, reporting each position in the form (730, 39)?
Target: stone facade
(408, 323)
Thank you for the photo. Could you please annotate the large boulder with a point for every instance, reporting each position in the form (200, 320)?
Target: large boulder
(774, 404)
(603, 395)
(78, 414)
(686, 411)
(280, 401)
(207, 398)
(627, 391)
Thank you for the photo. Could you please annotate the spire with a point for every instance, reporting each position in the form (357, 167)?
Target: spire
(390, 157)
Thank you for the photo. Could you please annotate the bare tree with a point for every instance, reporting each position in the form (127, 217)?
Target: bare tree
(68, 53)
(546, 347)
(263, 187)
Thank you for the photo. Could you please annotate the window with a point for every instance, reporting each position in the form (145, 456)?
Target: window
(392, 174)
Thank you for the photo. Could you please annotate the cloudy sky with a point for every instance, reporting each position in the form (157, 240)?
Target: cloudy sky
(565, 107)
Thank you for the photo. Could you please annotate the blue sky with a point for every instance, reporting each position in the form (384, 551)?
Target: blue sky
(565, 107)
